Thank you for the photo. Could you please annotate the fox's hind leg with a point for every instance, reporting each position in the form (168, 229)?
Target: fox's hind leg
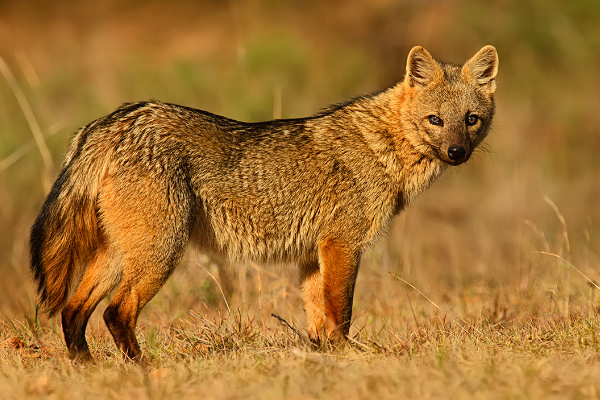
(134, 292)
(99, 278)
(148, 222)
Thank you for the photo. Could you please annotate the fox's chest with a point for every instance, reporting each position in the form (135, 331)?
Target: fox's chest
(418, 177)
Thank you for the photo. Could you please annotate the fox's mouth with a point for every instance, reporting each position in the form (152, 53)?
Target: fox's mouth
(455, 163)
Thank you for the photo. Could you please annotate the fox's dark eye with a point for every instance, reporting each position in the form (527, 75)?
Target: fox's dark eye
(472, 119)
(435, 120)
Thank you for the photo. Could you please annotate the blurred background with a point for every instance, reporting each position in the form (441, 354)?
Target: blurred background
(472, 243)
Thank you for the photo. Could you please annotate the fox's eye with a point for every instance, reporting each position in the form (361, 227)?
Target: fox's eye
(472, 119)
(435, 120)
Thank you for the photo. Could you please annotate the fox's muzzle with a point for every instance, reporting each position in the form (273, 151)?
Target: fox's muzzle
(457, 153)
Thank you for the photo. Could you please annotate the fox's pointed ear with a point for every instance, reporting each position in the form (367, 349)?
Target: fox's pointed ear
(483, 67)
(421, 68)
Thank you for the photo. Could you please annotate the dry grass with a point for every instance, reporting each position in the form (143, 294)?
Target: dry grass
(484, 288)
(495, 356)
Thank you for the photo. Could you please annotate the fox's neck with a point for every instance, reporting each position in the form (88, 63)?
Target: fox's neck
(378, 119)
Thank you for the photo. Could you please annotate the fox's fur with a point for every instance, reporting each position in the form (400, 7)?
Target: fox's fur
(139, 184)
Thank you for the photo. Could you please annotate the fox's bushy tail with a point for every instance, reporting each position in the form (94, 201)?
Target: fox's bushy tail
(64, 235)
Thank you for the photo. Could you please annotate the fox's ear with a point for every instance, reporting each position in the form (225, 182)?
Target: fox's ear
(483, 67)
(421, 68)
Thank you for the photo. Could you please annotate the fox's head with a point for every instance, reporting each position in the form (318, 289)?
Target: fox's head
(447, 109)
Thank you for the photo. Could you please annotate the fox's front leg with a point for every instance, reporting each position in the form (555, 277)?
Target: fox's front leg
(328, 290)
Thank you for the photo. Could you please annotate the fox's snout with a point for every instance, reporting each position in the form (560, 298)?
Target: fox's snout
(454, 152)
(457, 153)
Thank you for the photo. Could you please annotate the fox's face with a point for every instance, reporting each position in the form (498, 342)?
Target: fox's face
(449, 108)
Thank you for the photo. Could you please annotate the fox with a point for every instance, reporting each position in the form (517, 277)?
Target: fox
(136, 186)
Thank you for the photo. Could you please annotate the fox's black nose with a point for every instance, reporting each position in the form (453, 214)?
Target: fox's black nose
(457, 153)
